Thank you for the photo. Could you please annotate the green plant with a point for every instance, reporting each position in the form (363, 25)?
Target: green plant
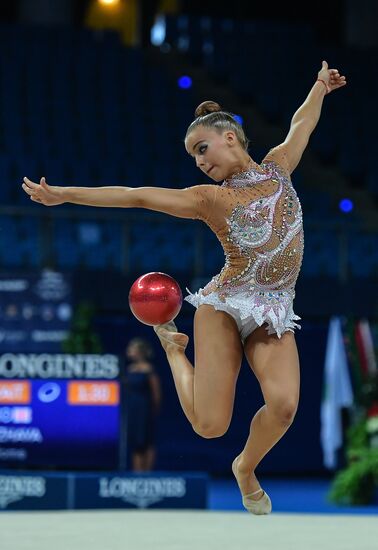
(357, 482)
(82, 338)
(356, 436)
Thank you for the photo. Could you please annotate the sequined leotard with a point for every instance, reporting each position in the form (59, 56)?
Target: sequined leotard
(257, 217)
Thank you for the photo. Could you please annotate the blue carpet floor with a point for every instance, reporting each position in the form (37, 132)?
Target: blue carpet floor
(305, 496)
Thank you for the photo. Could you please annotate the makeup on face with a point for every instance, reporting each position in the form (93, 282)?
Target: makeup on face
(202, 145)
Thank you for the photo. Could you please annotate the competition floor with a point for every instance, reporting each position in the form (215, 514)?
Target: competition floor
(185, 530)
(302, 519)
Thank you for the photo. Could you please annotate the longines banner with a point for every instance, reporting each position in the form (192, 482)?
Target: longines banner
(35, 311)
(148, 491)
(45, 491)
(59, 366)
(33, 492)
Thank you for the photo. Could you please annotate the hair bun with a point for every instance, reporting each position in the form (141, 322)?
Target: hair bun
(207, 107)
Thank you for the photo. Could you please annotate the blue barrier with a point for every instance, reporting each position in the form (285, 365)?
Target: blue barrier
(33, 491)
(102, 490)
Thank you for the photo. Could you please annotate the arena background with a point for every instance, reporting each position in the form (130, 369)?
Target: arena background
(100, 93)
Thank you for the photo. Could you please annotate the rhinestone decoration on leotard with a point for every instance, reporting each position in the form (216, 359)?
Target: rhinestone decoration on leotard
(264, 233)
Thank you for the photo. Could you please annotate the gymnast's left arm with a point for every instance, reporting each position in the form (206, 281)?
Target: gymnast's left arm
(182, 203)
(307, 116)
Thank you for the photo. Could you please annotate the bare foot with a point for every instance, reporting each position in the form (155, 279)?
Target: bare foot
(170, 339)
(247, 481)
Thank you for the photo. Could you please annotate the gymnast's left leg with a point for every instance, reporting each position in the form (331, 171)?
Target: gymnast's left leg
(206, 391)
(275, 363)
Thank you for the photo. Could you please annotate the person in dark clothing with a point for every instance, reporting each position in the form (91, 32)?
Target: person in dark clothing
(143, 398)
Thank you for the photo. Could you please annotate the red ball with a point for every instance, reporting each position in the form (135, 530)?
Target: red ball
(155, 298)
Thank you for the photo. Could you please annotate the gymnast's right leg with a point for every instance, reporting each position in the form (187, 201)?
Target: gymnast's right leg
(206, 392)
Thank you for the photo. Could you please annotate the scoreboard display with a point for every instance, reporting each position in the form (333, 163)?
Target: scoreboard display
(59, 423)
(56, 410)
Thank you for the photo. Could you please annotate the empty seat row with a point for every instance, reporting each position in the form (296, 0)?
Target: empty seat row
(152, 245)
(345, 134)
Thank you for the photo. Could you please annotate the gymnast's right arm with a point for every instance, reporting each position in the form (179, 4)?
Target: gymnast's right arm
(190, 202)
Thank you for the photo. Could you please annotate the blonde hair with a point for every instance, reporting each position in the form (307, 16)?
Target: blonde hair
(210, 115)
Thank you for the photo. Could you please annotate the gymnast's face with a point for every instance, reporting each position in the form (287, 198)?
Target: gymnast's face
(217, 154)
(133, 352)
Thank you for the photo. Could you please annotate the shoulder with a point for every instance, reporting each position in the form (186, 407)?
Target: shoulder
(277, 156)
(204, 196)
(202, 190)
(143, 367)
(148, 368)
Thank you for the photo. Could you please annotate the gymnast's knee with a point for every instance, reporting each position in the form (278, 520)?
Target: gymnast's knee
(210, 430)
(285, 412)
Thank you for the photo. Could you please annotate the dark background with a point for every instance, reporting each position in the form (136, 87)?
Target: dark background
(339, 23)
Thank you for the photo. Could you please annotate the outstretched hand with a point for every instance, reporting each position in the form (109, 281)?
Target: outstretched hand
(331, 77)
(43, 193)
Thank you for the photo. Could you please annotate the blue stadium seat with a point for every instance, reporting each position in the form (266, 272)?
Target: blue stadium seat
(88, 243)
(320, 254)
(5, 180)
(159, 246)
(363, 254)
(19, 242)
(81, 109)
